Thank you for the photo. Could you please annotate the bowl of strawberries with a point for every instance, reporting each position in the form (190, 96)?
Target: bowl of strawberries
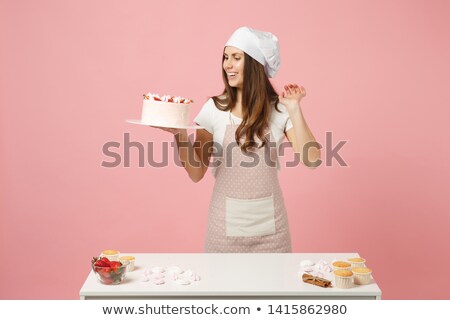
(109, 272)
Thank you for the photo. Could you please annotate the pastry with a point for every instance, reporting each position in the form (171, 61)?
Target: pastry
(357, 262)
(130, 260)
(343, 278)
(112, 255)
(341, 265)
(362, 275)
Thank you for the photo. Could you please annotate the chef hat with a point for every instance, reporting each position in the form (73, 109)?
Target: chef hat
(261, 46)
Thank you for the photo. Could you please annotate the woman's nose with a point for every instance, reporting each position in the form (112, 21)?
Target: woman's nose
(228, 64)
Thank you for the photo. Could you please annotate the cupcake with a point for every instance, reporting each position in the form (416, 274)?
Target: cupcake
(341, 265)
(129, 261)
(112, 255)
(343, 278)
(357, 262)
(362, 275)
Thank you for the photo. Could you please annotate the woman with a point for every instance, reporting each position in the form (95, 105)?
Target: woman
(245, 126)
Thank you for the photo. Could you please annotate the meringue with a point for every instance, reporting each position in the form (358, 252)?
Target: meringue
(182, 282)
(174, 273)
(147, 271)
(158, 270)
(175, 276)
(174, 270)
(156, 276)
(188, 273)
(320, 269)
(195, 277)
(159, 281)
(308, 269)
(306, 263)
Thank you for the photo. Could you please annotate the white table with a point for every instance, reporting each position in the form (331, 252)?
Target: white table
(228, 276)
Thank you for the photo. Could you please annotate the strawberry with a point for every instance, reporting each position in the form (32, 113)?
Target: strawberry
(101, 263)
(100, 270)
(115, 265)
(105, 272)
(156, 99)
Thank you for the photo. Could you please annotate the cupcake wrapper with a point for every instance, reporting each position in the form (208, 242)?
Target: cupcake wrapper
(343, 282)
(361, 278)
(129, 263)
(358, 264)
(130, 266)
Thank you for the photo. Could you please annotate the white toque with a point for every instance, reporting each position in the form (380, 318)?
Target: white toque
(260, 45)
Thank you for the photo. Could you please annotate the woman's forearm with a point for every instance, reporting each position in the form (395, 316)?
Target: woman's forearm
(189, 158)
(304, 141)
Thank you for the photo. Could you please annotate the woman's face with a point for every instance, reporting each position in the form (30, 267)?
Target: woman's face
(233, 64)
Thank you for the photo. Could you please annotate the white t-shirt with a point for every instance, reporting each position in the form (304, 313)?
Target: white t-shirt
(215, 122)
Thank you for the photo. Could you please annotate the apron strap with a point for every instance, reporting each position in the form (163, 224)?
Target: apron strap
(231, 120)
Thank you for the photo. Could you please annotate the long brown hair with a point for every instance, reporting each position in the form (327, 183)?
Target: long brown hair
(258, 96)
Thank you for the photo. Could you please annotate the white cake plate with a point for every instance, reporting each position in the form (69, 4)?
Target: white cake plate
(164, 126)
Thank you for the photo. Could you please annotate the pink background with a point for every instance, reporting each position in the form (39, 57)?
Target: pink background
(71, 72)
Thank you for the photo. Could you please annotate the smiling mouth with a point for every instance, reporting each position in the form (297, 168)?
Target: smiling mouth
(231, 75)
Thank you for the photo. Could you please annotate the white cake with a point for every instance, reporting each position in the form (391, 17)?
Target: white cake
(165, 111)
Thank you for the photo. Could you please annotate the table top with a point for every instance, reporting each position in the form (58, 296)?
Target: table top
(262, 275)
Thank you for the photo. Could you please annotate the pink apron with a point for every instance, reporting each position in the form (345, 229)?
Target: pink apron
(247, 212)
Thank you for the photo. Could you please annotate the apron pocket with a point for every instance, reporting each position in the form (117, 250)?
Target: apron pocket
(250, 217)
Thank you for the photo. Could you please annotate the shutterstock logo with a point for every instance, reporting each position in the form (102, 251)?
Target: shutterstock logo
(158, 156)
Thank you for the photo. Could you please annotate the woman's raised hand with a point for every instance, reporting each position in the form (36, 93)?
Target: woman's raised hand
(291, 95)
